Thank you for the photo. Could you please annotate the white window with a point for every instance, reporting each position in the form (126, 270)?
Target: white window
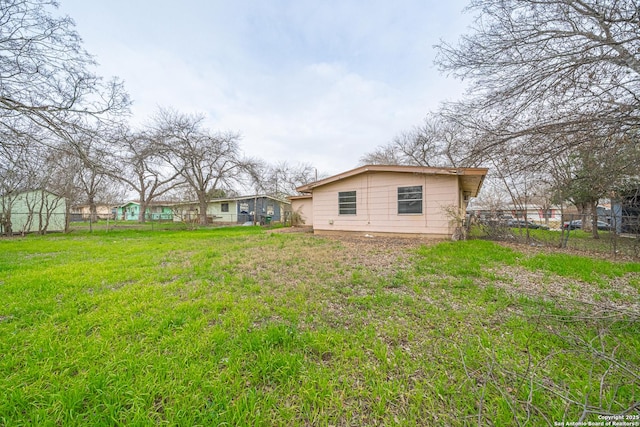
(347, 203)
(410, 200)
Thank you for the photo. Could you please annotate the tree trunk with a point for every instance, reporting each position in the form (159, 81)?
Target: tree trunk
(8, 230)
(42, 224)
(67, 215)
(142, 214)
(93, 211)
(594, 219)
(202, 214)
(585, 216)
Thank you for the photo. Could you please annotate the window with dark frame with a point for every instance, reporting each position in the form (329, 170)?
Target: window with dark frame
(224, 207)
(347, 203)
(410, 200)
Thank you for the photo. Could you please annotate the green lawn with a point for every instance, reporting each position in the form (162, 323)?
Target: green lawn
(608, 243)
(238, 326)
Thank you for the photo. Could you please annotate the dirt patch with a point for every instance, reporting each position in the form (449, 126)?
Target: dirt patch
(385, 256)
(618, 295)
(334, 259)
(380, 254)
(352, 265)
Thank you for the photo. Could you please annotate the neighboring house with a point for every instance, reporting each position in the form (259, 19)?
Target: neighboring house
(130, 211)
(156, 211)
(32, 211)
(377, 199)
(236, 210)
(83, 212)
(160, 211)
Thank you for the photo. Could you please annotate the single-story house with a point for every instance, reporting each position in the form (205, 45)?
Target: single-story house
(396, 200)
(156, 211)
(236, 210)
(32, 211)
(83, 212)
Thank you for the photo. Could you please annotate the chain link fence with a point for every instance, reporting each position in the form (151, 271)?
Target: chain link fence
(618, 236)
(21, 223)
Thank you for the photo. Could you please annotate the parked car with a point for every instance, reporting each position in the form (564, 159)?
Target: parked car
(572, 225)
(577, 224)
(520, 223)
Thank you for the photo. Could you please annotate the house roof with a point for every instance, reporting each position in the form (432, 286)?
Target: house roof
(259, 196)
(150, 204)
(27, 190)
(471, 178)
(236, 199)
(301, 197)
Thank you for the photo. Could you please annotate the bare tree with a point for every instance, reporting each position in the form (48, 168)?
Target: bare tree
(555, 90)
(281, 179)
(544, 196)
(30, 180)
(493, 199)
(87, 159)
(518, 179)
(62, 170)
(19, 171)
(383, 155)
(140, 163)
(593, 171)
(437, 142)
(49, 92)
(47, 82)
(256, 172)
(548, 69)
(206, 161)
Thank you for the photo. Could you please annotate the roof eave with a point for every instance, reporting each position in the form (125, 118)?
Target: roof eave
(308, 188)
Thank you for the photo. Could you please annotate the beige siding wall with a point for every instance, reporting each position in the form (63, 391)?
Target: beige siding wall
(214, 210)
(85, 210)
(305, 208)
(377, 204)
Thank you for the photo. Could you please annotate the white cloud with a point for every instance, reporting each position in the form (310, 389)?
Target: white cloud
(323, 114)
(302, 81)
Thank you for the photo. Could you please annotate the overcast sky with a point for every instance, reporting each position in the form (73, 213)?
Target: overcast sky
(321, 82)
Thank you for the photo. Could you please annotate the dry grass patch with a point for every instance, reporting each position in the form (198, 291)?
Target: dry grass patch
(618, 295)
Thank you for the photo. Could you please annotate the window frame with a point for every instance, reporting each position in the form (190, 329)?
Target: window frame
(408, 206)
(224, 207)
(348, 207)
